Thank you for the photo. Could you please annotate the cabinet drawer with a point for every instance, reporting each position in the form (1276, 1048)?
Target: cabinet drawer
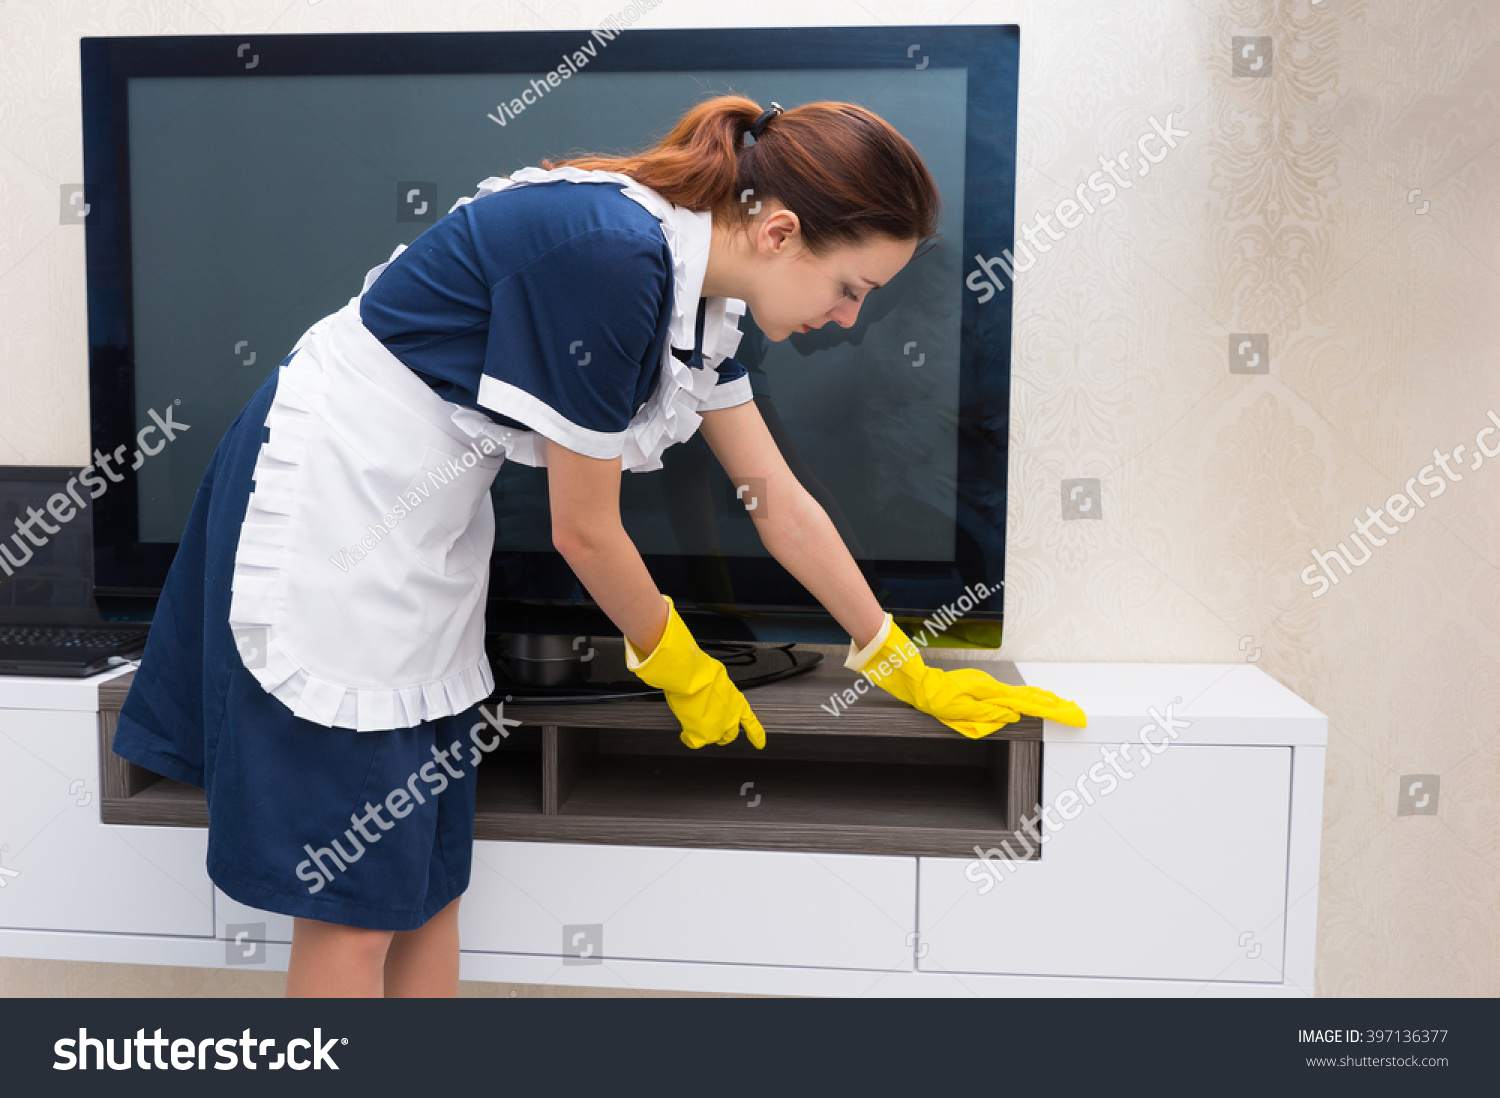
(689, 904)
(72, 872)
(1178, 872)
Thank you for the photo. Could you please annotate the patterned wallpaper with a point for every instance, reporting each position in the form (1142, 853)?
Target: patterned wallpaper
(1230, 367)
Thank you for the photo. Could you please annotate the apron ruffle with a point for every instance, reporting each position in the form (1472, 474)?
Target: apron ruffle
(371, 646)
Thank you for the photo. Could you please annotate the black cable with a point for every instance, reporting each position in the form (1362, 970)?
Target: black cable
(737, 654)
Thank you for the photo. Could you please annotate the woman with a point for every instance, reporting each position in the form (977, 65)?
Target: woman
(319, 639)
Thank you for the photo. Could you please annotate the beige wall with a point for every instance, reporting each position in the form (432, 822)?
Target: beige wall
(1286, 211)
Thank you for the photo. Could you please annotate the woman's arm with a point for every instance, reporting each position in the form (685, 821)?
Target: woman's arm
(586, 530)
(793, 527)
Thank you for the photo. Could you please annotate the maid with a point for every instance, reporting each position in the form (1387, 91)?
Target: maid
(316, 663)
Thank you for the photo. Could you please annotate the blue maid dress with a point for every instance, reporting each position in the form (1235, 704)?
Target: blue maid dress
(316, 662)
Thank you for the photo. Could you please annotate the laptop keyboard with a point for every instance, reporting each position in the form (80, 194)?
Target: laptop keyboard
(62, 636)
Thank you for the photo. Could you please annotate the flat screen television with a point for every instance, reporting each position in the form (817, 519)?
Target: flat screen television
(240, 186)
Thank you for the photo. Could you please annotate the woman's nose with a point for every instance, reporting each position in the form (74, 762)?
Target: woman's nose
(846, 314)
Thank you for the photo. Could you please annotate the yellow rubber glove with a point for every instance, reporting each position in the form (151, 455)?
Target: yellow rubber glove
(698, 688)
(966, 699)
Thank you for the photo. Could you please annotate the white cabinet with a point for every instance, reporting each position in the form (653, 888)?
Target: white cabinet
(676, 903)
(1199, 873)
(648, 902)
(62, 869)
(1177, 872)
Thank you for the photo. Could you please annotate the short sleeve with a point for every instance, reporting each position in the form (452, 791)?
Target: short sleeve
(733, 386)
(570, 334)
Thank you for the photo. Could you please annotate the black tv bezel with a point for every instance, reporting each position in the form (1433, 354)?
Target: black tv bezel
(125, 566)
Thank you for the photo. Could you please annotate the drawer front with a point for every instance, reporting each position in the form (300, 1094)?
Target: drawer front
(581, 902)
(1178, 872)
(62, 869)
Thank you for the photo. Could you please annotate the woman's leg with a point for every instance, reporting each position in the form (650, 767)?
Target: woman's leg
(423, 963)
(332, 961)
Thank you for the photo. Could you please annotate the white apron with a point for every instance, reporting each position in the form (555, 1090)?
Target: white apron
(362, 567)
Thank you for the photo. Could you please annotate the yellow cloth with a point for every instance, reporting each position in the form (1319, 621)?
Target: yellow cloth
(697, 687)
(966, 699)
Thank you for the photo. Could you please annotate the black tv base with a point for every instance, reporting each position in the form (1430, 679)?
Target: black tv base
(554, 668)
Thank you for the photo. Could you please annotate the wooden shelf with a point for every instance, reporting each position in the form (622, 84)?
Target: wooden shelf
(879, 778)
(790, 707)
(164, 803)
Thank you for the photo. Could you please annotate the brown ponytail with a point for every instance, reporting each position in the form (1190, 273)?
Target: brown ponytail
(843, 170)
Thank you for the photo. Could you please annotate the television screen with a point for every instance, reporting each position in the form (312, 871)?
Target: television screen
(251, 196)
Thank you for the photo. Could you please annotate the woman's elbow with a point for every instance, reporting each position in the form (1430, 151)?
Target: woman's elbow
(569, 543)
(574, 542)
(788, 524)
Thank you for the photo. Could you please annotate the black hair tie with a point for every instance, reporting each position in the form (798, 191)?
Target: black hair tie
(766, 116)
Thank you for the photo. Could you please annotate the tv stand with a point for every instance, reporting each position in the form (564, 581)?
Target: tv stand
(879, 778)
(787, 871)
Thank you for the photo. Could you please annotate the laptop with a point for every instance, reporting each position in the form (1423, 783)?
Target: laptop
(49, 623)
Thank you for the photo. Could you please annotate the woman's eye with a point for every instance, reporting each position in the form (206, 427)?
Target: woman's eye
(849, 294)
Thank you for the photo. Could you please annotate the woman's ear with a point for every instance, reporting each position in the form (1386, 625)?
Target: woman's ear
(779, 232)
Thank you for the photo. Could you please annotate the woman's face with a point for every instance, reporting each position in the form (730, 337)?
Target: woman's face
(788, 289)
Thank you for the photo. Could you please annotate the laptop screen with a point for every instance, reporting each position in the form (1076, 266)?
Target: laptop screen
(46, 554)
